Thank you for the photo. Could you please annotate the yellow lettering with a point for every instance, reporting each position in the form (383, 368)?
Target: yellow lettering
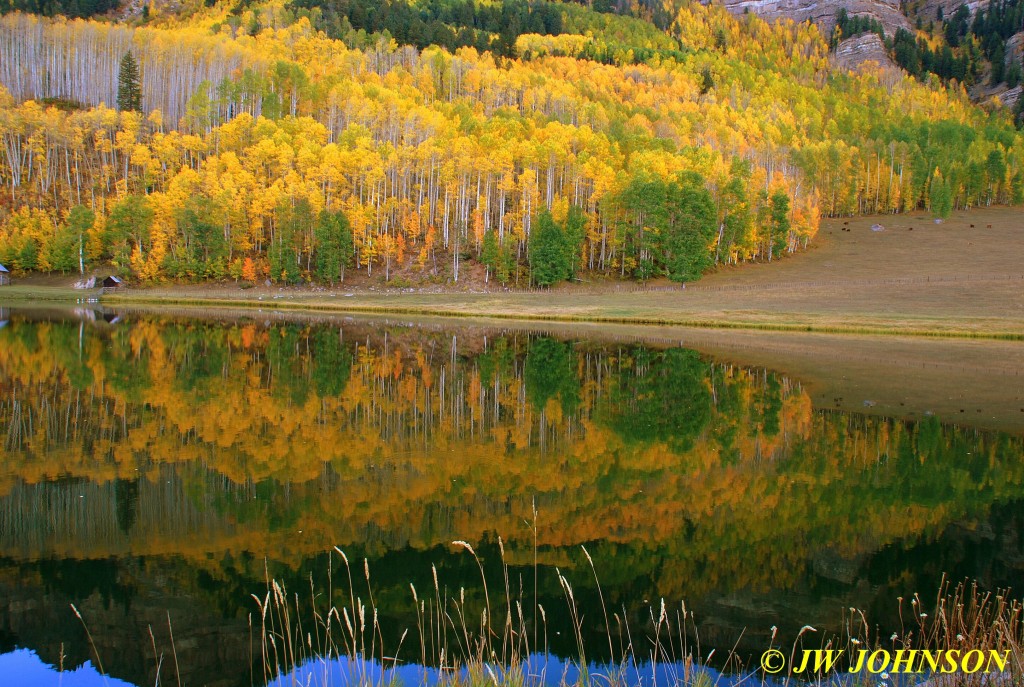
(873, 667)
(965, 663)
(904, 661)
(993, 655)
(950, 664)
(824, 660)
(858, 666)
(931, 659)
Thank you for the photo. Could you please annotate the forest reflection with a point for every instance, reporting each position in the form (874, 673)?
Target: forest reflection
(206, 455)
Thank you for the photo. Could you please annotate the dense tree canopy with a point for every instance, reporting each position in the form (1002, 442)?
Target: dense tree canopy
(68, 8)
(715, 141)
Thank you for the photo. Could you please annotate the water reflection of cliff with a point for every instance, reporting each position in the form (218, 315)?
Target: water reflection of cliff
(207, 448)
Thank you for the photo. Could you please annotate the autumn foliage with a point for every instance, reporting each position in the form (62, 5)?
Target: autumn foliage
(249, 134)
(236, 436)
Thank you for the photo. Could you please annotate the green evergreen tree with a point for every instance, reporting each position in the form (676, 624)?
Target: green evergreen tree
(670, 404)
(778, 223)
(707, 80)
(737, 220)
(490, 253)
(22, 254)
(575, 233)
(128, 228)
(940, 196)
(293, 221)
(129, 85)
(549, 373)
(66, 252)
(998, 65)
(1013, 75)
(689, 228)
(508, 265)
(644, 202)
(549, 252)
(334, 246)
(202, 250)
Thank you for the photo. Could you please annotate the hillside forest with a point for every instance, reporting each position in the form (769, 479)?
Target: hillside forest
(543, 141)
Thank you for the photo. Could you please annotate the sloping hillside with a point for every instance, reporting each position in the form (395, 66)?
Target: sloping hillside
(256, 147)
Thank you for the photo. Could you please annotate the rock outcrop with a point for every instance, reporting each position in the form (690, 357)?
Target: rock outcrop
(1015, 48)
(929, 9)
(866, 47)
(1010, 96)
(824, 13)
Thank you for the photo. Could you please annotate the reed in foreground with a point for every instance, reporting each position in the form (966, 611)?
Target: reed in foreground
(498, 634)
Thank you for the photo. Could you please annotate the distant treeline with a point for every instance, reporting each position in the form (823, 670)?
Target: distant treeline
(450, 24)
(493, 27)
(50, 8)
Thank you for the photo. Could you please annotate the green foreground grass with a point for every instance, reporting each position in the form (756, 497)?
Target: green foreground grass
(21, 294)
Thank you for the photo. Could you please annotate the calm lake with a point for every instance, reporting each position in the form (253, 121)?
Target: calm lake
(159, 469)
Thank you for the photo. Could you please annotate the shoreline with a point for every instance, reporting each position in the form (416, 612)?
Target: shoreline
(949, 280)
(955, 329)
(630, 307)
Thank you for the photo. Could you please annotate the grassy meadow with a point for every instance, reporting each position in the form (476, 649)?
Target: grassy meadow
(963, 277)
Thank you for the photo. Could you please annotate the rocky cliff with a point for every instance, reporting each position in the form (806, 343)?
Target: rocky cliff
(867, 47)
(929, 9)
(824, 13)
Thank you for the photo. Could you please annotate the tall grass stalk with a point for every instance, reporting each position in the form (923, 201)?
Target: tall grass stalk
(461, 644)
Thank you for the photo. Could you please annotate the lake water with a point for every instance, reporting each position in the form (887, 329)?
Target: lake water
(158, 470)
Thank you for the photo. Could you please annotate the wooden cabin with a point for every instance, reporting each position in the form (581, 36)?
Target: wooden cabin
(5, 276)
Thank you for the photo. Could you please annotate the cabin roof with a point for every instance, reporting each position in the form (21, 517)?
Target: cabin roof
(3, 269)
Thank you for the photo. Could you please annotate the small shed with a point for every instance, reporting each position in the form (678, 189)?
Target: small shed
(112, 282)
(5, 276)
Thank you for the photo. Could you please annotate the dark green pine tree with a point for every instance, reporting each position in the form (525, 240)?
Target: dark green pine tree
(334, 247)
(549, 252)
(129, 85)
